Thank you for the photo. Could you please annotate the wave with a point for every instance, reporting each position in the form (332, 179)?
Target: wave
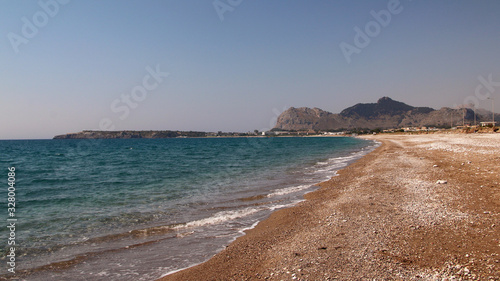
(221, 217)
(288, 190)
(204, 215)
(342, 161)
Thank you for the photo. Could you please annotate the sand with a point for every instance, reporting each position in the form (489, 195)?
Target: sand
(420, 207)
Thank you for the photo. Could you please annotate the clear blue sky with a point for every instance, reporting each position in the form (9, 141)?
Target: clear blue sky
(233, 74)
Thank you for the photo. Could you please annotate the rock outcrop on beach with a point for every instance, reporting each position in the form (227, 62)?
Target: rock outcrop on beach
(384, 114)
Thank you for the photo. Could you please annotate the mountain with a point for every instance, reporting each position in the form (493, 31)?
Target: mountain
(384, 106)
(386, 113)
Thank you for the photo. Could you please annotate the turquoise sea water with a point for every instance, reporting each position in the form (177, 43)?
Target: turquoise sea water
(136, 209)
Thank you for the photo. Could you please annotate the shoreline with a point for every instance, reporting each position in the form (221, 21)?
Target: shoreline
(246, 232)
(313, 187)
(383, 216)
(199, 230)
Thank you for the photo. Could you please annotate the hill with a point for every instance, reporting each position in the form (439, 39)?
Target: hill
(89, 134)
(386, 113)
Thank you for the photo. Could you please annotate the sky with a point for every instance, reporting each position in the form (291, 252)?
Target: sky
(234, 65)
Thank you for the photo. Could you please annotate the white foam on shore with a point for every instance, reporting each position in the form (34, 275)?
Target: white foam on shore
(220, 217)
(327, 167)
(250, 227)
(332, 165)
(276, 207)
(241, 232)
(180, 269)
(288, 190)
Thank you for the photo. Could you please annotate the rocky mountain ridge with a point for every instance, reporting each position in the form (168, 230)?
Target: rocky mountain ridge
(386, 113)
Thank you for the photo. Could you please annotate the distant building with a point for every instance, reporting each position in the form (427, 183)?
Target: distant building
(333, 133)
(485, 124)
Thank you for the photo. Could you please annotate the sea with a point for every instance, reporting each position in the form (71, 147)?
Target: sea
(138, 209)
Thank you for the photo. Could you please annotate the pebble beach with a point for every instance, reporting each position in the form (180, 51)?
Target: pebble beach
(419, 207)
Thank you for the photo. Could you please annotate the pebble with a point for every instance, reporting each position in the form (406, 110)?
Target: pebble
(441, 182)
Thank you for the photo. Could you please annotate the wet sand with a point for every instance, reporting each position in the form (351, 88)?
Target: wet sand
(420, 207)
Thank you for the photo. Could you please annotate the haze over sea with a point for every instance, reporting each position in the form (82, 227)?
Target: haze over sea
(136, 209)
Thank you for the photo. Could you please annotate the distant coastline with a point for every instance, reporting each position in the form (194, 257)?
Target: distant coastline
(385, 116)
(129, 134)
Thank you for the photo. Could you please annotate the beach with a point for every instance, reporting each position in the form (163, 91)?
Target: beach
(419, 207)
(112, 211)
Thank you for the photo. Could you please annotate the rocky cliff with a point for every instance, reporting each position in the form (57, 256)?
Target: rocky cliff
(384, 114)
